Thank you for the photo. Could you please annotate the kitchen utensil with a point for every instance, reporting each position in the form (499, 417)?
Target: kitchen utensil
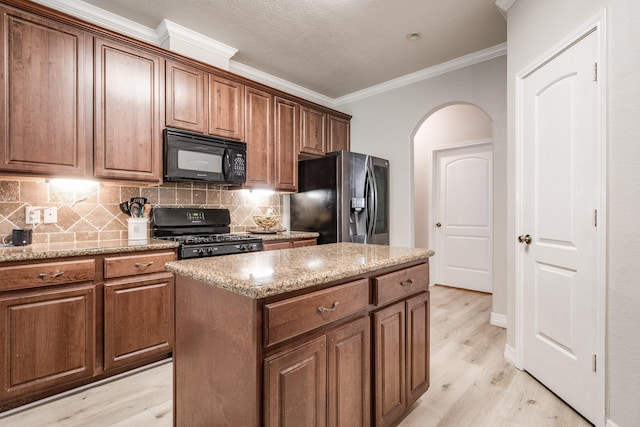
(141, 200)
(146, 210)
(136, 209)
(124, 208)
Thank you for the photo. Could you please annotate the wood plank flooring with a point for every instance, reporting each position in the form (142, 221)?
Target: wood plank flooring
(471, 384)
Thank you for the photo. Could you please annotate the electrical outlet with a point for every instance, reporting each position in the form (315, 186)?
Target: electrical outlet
(50, 215)
(32, 215)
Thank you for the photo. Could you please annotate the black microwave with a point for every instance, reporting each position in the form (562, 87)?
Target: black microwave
(195, 157)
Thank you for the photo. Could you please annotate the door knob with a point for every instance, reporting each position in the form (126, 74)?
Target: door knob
(438, 225)
(525, 239)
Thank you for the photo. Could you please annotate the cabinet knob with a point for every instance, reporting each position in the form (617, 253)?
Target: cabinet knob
(51, 276)
(332, 308)
(145, 265)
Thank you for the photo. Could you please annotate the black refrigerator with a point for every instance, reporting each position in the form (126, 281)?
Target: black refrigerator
(344, 196)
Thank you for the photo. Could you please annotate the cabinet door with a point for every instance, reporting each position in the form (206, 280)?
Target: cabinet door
(295, 386)
(390, 364)
(286, 144)
(417, 346)
(312, 131)
(43, 95)
(138, 319)
(349, 372)
(259, 138)
(184, 101)
(226, 108)
(48, 338)
(128, 137)
(338, 132)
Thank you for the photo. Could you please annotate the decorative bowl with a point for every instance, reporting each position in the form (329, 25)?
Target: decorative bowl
(266, 221)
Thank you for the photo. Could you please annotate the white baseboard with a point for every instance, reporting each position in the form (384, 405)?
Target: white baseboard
(611, 424)
(498, 320)
(510, 355)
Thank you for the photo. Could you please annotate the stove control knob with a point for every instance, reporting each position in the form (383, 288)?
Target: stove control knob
(200, 252)
(209, 250)
(242, 247)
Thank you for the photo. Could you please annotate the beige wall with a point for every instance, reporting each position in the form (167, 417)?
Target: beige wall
(99, 217)
(384, 125)
(534, 27)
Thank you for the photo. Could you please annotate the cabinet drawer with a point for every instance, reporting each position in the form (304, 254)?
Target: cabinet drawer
(136, 264)
(305, 242)
(399, 284)
(288, 318)
(276, 245)
(45, 274)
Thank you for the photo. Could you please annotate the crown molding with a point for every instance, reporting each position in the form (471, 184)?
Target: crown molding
(278, 83)
(168, 30)
(103, 18)
(504, 5)
(427, 73)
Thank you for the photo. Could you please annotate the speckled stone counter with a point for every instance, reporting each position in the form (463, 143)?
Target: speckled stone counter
(263, 274)
(68, 249)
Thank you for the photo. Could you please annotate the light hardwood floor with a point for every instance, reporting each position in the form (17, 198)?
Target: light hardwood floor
(471, 384)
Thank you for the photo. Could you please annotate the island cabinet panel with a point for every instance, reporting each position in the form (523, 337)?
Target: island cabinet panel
(128, 126)
(48, 338)
(226, 108)
(313, 136)
(349, 375)
(338, 133)
(296, 386)
(400, 284)
(44, 96)
(286, 135)
(138, 319)
(185, 90)
(417, 309)
(259, 138)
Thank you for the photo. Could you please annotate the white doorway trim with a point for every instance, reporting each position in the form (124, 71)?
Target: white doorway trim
(514, 355)
(432, 157)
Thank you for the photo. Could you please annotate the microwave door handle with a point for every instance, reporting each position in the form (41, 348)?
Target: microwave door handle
(226, 165)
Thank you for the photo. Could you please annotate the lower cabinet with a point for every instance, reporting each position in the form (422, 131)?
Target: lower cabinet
(401, 361)
(287, 244)
(138, 319)
(48, 338)
(324, 382)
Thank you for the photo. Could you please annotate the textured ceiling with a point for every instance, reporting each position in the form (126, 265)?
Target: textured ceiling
(333, 47)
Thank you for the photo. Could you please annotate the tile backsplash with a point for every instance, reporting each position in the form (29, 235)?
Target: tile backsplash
(93, 213)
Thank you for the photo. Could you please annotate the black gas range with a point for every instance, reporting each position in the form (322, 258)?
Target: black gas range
(201, 232)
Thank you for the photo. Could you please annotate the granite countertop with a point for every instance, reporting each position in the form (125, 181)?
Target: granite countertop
(90, 247)
(285, 235)
(262, 274)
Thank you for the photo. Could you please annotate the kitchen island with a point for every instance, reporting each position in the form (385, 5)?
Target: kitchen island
(334, 334)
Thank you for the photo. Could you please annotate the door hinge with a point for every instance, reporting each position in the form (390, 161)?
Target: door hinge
(595, 71)
(595, 218)
(593, 363)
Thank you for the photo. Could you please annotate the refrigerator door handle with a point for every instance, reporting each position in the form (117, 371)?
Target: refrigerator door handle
(372, 202)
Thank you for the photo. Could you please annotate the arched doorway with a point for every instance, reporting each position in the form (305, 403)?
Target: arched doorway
(453, 194)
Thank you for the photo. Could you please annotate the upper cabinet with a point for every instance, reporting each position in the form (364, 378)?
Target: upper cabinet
(226, 108)
(185, 97)
(338, 132)
(313, 137)
(44, 128)
(286, 133)
(128, 128)
(259, 138)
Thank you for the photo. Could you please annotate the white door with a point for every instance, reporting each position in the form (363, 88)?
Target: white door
(463, 201)
(559, 237)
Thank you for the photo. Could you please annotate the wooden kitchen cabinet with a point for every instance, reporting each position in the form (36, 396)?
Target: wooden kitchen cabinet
(185, 89)
(45, 101)
(338, 133)
(287, 244)
(401, 360)
(138, 319)
(259, 138)
(313, 136)
(226, 108)
(286, 136)
(128, 126)
(48, 338)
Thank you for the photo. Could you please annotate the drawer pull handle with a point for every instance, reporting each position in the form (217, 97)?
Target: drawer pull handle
(407, 282)
(51, 276)
(141, 265)
(325, 309)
